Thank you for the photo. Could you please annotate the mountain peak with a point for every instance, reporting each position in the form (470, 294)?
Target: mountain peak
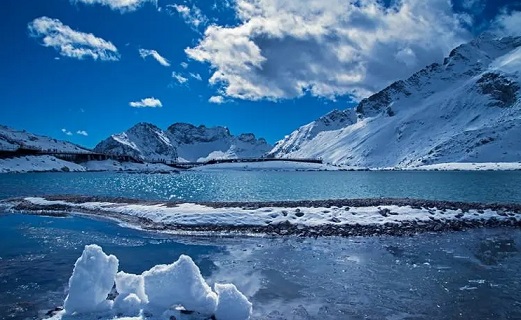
(467, 109)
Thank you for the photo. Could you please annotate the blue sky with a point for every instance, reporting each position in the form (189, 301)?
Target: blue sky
(84, 69)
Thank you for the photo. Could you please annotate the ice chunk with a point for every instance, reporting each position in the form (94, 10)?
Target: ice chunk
(231, 303)
(128, 304)
(180, 283)
(91, 281)
(131, 289)
(127, 283)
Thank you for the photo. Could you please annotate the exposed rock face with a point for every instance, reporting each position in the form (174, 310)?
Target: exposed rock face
(183, 142)
(466, 109)
(203, 143)
(143, 141)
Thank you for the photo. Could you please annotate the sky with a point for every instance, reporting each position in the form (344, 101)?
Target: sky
(81, 70)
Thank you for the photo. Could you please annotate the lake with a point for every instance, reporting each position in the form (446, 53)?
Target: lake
(472, 274)
(266, 186)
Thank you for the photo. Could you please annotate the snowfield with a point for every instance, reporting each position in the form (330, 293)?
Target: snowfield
(112, 165)
(53, 164)
(267, 166)
(37, 164)
(174, 291)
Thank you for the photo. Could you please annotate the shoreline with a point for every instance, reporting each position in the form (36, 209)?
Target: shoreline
(308, 218)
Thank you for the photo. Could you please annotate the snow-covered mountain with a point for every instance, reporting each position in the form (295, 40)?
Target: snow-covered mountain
(143, 141)
(202, 143)
(11, 139)
(183, 142)
(466, 109)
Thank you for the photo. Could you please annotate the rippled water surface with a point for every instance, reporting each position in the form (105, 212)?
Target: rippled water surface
(464, 275)
(256, 186)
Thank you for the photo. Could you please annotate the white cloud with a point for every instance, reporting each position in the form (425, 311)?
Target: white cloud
(192, 16)
(184, 65)
(285, 49)
(147, 103)
(71, 43)
(145, 53)
(216, 100)
(179, 78)
(67, 132)
(82, 133)
(196, 76)
(509, 23)
(120, 5)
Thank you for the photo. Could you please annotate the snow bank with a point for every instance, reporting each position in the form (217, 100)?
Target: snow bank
(466, 166)
(193, 215)
(112, 165)
(158, 293)
(37, 164)
(48, 163)
(91, 281)
(267, 166)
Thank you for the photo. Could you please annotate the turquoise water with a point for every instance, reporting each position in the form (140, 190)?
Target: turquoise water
(258, 186)
(464, 275)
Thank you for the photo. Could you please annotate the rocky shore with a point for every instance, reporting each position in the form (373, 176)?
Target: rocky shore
(378, 217)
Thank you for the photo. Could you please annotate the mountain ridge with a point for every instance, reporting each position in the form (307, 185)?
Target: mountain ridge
(183, 142)
(453, 111)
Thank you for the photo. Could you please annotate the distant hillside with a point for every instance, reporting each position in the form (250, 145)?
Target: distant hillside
(11, 139)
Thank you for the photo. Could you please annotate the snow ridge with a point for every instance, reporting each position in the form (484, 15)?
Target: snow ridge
(183, 142)
(466, 109)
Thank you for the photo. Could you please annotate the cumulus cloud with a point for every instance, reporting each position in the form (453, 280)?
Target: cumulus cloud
(179, 78)
(145, 53)
(509, 23)
(71, 43)
(147, 103)
(118, 5)
(184, 65)
(82, 133)
(67, 132)
(192, 16)
(327, 48)
(216, 99)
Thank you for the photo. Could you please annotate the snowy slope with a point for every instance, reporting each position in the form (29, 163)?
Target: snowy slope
(464, 110)
(183, 142)
(11, 139)
(143, 141)
(37, 164)
(202, 143)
